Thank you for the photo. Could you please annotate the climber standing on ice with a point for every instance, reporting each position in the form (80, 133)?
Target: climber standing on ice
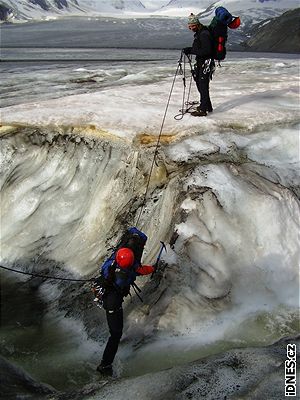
(203, 49)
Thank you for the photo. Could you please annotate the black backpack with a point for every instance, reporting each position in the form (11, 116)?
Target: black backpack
(219, 31)
(135, 240)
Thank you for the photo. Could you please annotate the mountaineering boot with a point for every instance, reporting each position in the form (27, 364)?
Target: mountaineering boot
(105, 370)
(209, 110)
(199, 113)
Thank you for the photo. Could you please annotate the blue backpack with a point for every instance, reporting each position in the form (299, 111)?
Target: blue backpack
(223, 15)
(112, 273)
(219, 32)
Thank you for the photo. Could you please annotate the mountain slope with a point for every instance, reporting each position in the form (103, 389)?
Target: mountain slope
(251, 11)
(41, 9)
(247, 7)
(280, 34)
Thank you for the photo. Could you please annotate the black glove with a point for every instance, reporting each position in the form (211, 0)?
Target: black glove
(187, 50)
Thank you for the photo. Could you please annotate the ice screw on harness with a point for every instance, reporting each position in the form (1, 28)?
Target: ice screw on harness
(98, 292)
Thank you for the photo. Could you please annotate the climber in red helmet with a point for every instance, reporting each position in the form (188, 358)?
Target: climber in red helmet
(118, 273)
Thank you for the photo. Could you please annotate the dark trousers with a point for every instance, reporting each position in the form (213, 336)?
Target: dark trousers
(112, 303)
(202, 79)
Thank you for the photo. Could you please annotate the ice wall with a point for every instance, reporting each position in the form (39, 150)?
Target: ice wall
(238, 240)
(68, 199)
(235, 255)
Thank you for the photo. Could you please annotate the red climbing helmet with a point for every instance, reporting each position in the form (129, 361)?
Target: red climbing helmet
(235, 23)
(125, 257)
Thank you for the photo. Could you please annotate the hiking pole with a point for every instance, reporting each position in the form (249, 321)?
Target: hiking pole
(182, 72)
(180, 63)
(191, 67)
(162, 247)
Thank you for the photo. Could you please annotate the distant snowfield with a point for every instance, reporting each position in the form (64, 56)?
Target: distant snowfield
(130, 8)
(246, 94)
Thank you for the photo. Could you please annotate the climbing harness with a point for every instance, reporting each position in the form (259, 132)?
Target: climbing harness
(206, 66)
(209, 67)
(98, 291)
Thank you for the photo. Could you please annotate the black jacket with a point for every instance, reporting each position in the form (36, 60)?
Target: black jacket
(202, 46)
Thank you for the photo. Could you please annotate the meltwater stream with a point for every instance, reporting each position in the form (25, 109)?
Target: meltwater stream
(224, 194)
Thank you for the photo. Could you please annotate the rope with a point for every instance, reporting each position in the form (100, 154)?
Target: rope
(45, 276)
(186, 104)
(158, 141)
(179, 67)
(184, 84)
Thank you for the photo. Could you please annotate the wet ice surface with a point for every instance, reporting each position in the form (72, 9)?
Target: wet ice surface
(27, 81)
(247, 93)
(232, 278)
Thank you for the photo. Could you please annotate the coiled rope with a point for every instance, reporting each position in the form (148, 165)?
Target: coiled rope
(187, 105)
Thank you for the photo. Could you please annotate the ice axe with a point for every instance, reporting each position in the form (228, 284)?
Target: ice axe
(162, 247)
